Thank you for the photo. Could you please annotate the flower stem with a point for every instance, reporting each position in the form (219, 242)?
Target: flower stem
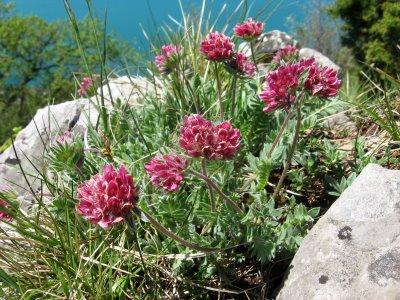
(210, 189)
(221, 109)
(234, 82)
(291, 153)
(280, 133)
(228, 201)
(253, 54)
(173, 236)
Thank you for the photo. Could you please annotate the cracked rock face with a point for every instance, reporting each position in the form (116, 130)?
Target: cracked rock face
(353, 252)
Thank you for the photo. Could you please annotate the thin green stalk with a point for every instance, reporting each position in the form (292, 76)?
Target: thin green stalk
(234, 83)
(157, 225)
(228, 201)
(253, 54)
(221, 109)
(189, 87)
(137, 244)
(280, 133)
(140, 131)
(210, 189)
(291, 153)
(194, 96)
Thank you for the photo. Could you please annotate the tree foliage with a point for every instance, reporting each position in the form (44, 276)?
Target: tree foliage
(372, 29)
(38, 62)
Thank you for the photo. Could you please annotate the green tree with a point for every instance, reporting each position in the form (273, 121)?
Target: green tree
(372, 29)
(38, 62)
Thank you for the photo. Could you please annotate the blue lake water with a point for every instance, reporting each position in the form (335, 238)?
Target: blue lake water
(125, 16)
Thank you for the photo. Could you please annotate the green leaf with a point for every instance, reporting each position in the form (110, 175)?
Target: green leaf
(313, 212)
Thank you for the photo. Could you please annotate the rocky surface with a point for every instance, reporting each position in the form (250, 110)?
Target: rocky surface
(319, 57)
(30, 143)
(267, 44)
(270, 42)
(353, 252)
(127, 89)
(52, 120)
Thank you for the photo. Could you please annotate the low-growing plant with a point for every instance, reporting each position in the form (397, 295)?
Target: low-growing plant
(185, 195)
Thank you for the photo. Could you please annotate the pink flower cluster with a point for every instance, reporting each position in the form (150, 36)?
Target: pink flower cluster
(241, 65)
(167, 60)
(217, 47)
(282, 84)
(4, 215)
(249, 30)
(200, 137)
(166, 171)
(106, 199)
(287, 53)
(280, 87)
(85, 85)
(65, 138)
(322, 81)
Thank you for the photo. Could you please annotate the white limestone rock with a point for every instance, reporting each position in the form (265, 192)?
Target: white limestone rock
(353, 251)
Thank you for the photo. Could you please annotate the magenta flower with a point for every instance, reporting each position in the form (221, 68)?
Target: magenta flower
(166, 171)
(167, 60)
(249, 30)
(65, 138)
(4, 215)
(199, 137)
(217, 47)
(280, 87)
(227, 141)
(241, 65)
(287, 54)
(321, 81)
(108, 198)
(327, 83)
(85, 85)
(196, 136)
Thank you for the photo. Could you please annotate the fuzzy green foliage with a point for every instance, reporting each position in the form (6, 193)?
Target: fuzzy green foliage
(372, 30)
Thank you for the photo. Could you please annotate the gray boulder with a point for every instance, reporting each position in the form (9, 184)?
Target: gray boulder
(353, 251)
(30, 143)
(268, 43)
(129, 90)
(52, 120)
(321, 59)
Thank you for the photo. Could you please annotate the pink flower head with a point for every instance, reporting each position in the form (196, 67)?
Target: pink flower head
(321, 81)
(65, 138)
(227, 140)
(166, 171)
(106, 199)
(217, 47)
(280, 87)
(196, 136)
(327, 83)
(287, 53)
(4, 215)
(85, 85)
(241, 65)
(167, 60)
(199, 137)
(249, 30)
